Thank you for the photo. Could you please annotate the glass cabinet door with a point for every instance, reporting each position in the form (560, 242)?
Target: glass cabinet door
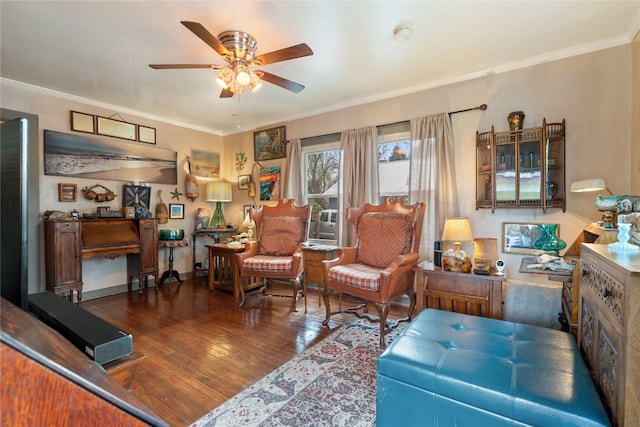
(484, 170)
(554, 171)
(506, 164)
(530, 166)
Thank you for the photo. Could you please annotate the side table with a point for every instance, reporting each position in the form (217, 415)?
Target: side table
(223, 272)
(465, 293)
(215, 233)
(170, 273)
(312, 257)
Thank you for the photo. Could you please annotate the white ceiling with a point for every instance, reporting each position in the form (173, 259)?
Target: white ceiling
(100, 50)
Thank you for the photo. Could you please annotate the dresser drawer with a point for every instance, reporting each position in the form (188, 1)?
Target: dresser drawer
(608, 289)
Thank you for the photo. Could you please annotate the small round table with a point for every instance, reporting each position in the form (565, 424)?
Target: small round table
(171, 273)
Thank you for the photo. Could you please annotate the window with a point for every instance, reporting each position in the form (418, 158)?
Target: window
(394, 157)
(321, 163)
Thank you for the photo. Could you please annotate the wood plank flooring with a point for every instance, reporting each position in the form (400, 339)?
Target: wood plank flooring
(202, 349)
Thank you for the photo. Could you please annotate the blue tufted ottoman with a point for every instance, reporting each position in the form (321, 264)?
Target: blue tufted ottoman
(451, 369)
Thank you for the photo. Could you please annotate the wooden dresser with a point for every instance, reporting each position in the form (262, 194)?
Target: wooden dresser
(609, 338)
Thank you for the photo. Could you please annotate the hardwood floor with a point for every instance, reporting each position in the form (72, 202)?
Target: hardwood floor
(202, 349)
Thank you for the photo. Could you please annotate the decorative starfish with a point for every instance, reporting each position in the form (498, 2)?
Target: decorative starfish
(176, 194)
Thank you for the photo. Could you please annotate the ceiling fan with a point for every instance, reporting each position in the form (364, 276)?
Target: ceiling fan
(238, 49)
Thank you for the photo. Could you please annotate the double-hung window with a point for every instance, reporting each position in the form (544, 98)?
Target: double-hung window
(321, 165)
(394, 160)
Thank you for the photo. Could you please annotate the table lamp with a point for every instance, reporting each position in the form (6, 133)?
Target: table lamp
(597, 184)
(250, 224)
(456, 230)
(218, 191)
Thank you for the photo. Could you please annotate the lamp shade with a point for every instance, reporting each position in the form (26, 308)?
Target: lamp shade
(218, 191)
(457, 229)
(589, 185)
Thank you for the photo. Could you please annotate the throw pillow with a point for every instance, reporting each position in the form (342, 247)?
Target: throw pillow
(382, 236)
(280, 235)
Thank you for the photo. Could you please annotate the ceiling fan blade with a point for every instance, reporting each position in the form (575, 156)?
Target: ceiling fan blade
(200, 31)
(287, 53)
(178, 66)
(282, 82)
(226, 93)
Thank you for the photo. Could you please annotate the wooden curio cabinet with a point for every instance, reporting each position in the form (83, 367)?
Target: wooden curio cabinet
(63, 257)
(523, 168)
(147, 263)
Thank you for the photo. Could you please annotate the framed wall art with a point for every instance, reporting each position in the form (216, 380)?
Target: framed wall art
(519, 237)
(116, 128)
(176, 211)
(81, 156)
(81, 122)
(243, 182)
(269, 183)
(205, 164)
(67, 192)
(136, 195)
(146, 134)
(269, 144)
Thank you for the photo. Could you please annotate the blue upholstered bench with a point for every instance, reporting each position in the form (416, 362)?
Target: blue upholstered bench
(450, 369)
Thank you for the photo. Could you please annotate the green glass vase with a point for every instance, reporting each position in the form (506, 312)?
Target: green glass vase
(548, 240)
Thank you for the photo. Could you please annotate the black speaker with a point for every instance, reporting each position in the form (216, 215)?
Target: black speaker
(437, 253)
(98, 339)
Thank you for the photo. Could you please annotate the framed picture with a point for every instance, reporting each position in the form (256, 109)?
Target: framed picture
(269, 183)
(116, 128)
(67, 192)
(269, 144)
(519, 237)
(146, 134)
(136, 195)
(245, 210)
(81, 122)
(176, 211)
(243, 182)
(205, 164)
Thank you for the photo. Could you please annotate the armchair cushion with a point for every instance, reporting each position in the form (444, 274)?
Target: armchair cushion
(266, 263)
(280, 235)
(382, 236)
(357, 275)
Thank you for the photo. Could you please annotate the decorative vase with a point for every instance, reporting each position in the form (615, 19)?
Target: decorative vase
(548, 240)
(516, 120)
(623, 239)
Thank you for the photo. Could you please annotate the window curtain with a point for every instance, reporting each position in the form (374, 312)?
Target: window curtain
(433, 176)
(359, 173)
(293, 175)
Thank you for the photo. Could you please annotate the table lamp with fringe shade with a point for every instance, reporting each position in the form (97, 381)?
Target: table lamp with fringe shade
(218, 191)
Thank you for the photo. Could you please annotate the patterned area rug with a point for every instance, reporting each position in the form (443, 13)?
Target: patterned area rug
(331, 384)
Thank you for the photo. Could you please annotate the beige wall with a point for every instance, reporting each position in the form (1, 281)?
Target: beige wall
(590, 91)
(53, 114)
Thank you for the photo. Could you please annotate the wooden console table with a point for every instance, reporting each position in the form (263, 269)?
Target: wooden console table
(215, 233)
(465, 293)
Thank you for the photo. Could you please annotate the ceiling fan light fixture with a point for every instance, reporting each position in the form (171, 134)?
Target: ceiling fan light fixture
(242, 75)
(254, 82)
(225, 77)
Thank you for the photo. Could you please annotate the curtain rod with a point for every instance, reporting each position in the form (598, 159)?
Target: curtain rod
(479, 107)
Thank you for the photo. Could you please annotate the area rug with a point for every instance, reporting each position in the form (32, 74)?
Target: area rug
(333, 383)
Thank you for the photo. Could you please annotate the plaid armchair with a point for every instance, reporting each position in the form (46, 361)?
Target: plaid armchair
(379, 268)
(281, 231)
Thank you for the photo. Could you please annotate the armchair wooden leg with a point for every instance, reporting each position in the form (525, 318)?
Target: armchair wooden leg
(383, 312)
(296, 290)
(326, 296)
(412, 304)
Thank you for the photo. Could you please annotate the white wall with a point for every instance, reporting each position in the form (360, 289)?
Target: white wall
(591, 91)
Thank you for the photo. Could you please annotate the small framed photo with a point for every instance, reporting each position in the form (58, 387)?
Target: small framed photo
(81, 122)
(129, 211)
(243, 182)
(146, 134)
(176, 211)
(67, 192)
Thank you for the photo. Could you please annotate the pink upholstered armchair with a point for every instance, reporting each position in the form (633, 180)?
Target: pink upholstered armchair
(281, 231)
(379, 268)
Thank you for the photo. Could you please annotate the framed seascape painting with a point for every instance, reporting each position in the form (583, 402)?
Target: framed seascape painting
(269, 144)
(205, 164)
